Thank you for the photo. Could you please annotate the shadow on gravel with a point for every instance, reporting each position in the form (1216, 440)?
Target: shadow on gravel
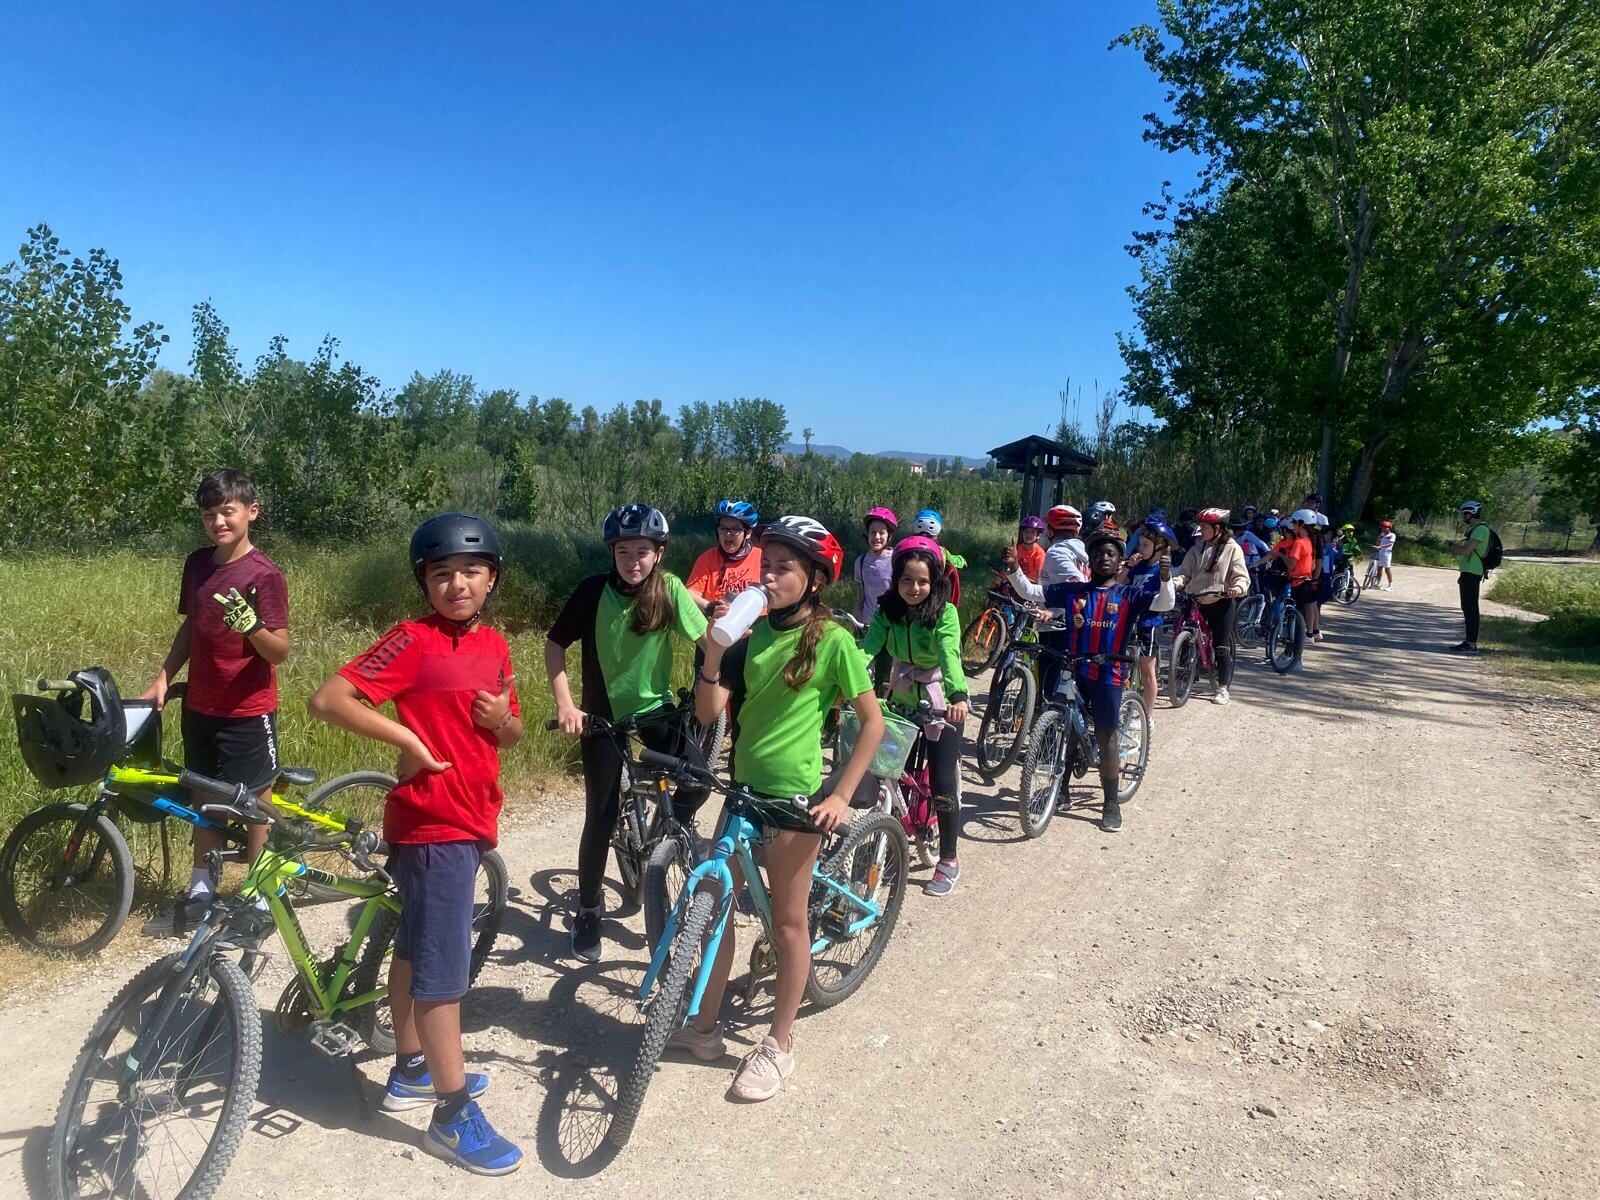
(33, 1145)
(301, 1088)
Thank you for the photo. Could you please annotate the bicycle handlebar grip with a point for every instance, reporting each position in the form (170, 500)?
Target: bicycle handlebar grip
(55, 685)
(654, 758)
(204, 783)
(552, 725)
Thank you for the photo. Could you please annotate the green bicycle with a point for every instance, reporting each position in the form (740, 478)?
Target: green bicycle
(157, 1100)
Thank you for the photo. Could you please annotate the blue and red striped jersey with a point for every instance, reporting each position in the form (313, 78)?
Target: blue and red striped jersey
(1100, 619)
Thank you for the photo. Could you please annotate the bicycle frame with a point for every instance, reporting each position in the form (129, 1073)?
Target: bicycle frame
(734, 840)
(1205, 645)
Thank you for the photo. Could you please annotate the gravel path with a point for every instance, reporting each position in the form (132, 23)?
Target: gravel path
(1344, 947)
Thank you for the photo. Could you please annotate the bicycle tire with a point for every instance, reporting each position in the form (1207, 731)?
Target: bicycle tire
(1002, 712)
(664, 877)
(24, 915)
(1281, 639)
(711, 739)
(668, 1010)
(1047, 751)
(1130, 774)
(982, 641)
(64, 1152)
(856, 862)
(1349, 591)
(364, 794)
(1185, 666)
(1247, 630)
(373, 1021)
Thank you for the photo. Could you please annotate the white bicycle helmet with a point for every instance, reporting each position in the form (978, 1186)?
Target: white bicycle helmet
(1471, 508)
(1303, 516)
(928, 523)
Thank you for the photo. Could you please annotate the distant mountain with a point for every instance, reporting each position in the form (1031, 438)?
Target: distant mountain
(825, 450)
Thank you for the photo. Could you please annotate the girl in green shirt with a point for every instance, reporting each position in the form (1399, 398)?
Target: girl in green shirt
(782, 681)
(920, 629)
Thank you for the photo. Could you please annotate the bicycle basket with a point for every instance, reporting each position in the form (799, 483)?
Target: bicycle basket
(899, 736)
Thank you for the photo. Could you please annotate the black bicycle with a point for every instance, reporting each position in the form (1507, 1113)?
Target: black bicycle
(1062, 742)
(1013, 694)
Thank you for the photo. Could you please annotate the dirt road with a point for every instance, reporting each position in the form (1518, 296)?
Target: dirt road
(1344, 947)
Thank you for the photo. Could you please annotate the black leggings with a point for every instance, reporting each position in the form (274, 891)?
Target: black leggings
(602, 779)
(944, 768)
(1219, 619)
(1469, 585)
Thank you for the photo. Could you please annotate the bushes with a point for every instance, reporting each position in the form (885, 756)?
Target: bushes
(1549, 589)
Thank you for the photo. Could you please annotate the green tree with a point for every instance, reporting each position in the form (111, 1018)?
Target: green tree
(1435, 171)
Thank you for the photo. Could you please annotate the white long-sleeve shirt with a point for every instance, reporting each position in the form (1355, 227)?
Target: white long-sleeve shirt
(1166, 596)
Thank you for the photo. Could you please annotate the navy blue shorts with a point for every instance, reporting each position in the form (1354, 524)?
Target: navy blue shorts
(437, 883)
(1104, 701)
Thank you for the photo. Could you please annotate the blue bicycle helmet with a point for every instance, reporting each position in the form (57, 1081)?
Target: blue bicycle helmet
(1270, 523)
(740, 510)
(1158, 526)
(928, 523)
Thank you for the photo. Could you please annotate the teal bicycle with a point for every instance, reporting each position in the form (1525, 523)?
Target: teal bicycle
(857, 886)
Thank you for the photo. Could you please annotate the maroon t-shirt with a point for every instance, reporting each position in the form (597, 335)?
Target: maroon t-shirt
(227, 678)
(433, 674)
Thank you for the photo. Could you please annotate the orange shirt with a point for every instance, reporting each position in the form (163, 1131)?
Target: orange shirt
(1296, 557)
(1030, 559)
(713, 577)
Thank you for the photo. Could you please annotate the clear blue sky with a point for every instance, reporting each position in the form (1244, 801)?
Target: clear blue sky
(903, 221)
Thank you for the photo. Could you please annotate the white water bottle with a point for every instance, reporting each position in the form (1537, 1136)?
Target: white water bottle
(741, 614)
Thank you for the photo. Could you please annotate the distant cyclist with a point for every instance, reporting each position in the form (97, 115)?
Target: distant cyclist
(730, 566)
(1384, 548)
(1155, 539)
(929, 523)
(1099, 513)
(1186, 529)
(1030, 554)
(1066, 561)
(873, 569)
(1213, 573)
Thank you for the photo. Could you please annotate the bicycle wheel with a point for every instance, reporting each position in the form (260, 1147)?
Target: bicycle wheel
(669, 1007)
(664, 877)
(173, 1128)
(1282, 638)
(1133, 745)
(66, 880)
(710, 738)
(1347, 591)
(628, 841)
(360, 794)
(1044, 772)
(1247, 629)
(872, 861)
(1006, 718)
(982, 641)
(375, 1022)
(1185, 666)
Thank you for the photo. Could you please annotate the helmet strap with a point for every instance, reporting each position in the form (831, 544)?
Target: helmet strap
(784, 618)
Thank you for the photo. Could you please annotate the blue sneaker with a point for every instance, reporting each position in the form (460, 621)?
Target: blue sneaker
(944, 879)
(403, 1093)
(471, 1143)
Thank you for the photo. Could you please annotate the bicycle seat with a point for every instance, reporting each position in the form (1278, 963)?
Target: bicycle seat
(297, 776)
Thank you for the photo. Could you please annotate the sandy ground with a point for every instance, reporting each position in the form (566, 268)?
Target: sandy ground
(1344, 947)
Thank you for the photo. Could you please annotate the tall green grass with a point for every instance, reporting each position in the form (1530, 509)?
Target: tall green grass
(1549, 589)
(118, 609)
(1564, 649)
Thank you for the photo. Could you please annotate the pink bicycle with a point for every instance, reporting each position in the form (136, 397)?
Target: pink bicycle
(1192, 651)
(900, 771)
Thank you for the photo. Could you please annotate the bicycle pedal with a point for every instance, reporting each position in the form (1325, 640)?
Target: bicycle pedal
(334, 1039)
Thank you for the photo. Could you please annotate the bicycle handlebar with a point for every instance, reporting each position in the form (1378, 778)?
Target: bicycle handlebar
(55, 685)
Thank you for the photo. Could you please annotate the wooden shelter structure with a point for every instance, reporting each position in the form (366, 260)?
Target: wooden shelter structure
(1044, 465)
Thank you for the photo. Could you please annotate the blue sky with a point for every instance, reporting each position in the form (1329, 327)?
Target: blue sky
(903, 221)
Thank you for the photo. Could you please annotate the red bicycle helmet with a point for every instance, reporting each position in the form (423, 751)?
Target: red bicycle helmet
(811, 538)
(1212, 516)
(1063, 518)
(1386, 525)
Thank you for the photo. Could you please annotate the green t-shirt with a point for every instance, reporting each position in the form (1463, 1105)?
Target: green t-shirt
(777, 740)
(1471, 563)
(913, 642)
(632, 670)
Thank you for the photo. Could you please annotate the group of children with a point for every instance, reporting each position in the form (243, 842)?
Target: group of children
(450, 678)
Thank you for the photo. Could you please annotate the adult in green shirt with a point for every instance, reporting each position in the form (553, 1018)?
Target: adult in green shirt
(781, 682)
(627, 620)
(1472, 550)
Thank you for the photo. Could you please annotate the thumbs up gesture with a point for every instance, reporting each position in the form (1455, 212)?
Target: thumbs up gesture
(239, 612)
(489, 711)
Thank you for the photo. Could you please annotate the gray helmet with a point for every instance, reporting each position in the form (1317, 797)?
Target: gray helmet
(1471, 508)
(454, 533)
(635, 521)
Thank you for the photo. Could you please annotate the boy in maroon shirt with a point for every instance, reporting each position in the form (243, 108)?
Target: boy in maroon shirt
(450, 679)
(235, 609)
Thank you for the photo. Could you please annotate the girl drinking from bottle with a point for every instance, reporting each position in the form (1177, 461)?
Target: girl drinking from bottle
(921, 631)
(625, 620)
(782, 681)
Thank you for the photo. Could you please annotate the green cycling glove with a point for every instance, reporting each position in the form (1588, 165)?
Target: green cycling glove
(239, 612)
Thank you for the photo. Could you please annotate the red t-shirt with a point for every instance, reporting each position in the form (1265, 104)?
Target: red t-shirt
(713, 577)
(227, 678)
(1030, 559)
(433, 676)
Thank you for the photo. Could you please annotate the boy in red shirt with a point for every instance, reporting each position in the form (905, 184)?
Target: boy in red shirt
(450, 678)
(235, 609)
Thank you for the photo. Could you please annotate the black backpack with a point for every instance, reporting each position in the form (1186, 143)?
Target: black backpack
(1496, 551)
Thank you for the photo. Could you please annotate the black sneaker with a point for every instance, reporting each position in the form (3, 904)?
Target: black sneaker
(178, 919)
(1111, 817)
(1464, 648)
(586, 936)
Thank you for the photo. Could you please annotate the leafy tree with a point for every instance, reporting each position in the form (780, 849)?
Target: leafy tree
(1435, 172)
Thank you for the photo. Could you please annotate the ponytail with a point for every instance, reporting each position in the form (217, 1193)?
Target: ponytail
(804, 663)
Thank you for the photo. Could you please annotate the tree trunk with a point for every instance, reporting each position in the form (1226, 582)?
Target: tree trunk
(1358, 485)
(1325, 466)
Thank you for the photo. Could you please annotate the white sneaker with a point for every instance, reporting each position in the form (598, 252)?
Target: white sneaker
(1221, 697)
(764, 1071)
(707, 1047)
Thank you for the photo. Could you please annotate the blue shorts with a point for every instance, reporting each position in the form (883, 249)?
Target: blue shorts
(1104, 701)
(437, 883)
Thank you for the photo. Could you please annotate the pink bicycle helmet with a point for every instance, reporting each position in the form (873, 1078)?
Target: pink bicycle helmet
(886, 515)
(916, 542)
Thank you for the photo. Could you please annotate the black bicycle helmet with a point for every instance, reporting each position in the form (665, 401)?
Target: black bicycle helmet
(635, 521)
(454, 533)
(72, 739)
